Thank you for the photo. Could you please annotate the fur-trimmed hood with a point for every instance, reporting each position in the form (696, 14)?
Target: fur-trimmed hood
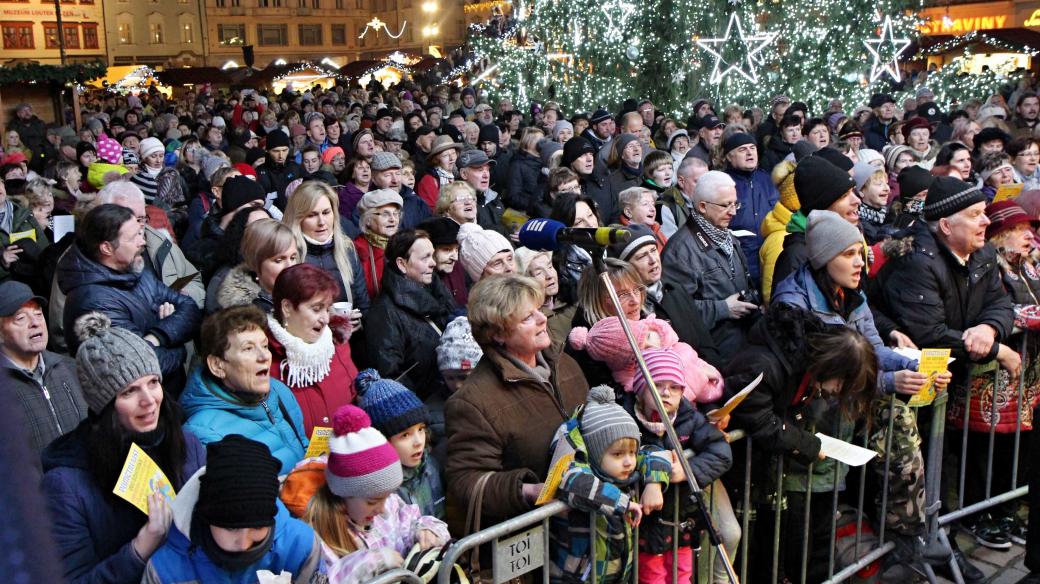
(239, 288)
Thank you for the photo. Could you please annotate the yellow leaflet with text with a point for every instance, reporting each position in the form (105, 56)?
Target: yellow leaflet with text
(319, 442)
(933, 363)
(140, 478)
(552, 482)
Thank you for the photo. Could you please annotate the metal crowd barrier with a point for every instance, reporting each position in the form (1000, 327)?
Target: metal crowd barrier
(396, 575)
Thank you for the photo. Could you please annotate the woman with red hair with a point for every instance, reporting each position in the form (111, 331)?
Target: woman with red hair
(309, 348)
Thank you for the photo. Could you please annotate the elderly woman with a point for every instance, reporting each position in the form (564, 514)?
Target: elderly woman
(313, 216)
(538, 265)
(444, 234)
(440, 169)
(457, 201)
(405, 323)
(995, 171)
(896, 159)
(1025, 156)
(503, 419)
(918, 135)
(306, 355)
(268, 247)
(232, 392)
(815, 132)
(638, 206)
(626, 163)
(102, 538)
(380, 212)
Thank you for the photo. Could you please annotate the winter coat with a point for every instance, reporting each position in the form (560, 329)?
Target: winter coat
(527, 184)
(275, 177)
(294, 549)
(502, 421)
(694, 264)
(457, 283)
(24, 269)
(500, 172)
(590, 494)
(132, 302)
(795, 252)
(774, 230)
(320, 400)
(710, 460)
(558, 323)
(403, 329)
(757, 195)
(324, 257)
(93, 528)
(53, 409)
(239, 287)
(673, 210)
(276, 421)
(490, 210)
(428, 189)
(875, 133)
(597, 187)
(678, 308)
(773, 413)
(801, 289)
(198, 210)
(424, 487)
(371, 259)
(414, 211)
(349, 196)
(775, 151)
(624, 178)
(935, 299)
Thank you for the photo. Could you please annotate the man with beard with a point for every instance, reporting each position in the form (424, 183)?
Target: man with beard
(1026, 114)
(104, 272)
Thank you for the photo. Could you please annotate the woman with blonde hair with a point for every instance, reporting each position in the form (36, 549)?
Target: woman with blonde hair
(268, 247)
(457, 201)
(313, 216)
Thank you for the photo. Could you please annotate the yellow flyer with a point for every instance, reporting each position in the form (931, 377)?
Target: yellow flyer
(1006, 192)
(27, 234)
(140, 478)
(933, 363)
(319, 442)
(552, 482)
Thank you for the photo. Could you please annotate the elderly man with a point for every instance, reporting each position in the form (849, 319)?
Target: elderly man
(706, 261)
(709, 134)
(475, 168)
(947, 293)
(875, 131)
(45, 383)
(755, 191)
(386, 174)
(677, 202)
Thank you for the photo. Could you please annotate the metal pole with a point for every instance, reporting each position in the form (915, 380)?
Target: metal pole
(932, 482)
(1018, 416)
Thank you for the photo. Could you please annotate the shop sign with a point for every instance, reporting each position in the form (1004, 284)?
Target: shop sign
(958, 26)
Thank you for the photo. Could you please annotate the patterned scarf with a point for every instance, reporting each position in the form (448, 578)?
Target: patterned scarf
(376, 240)
(720, 237)
(872, 215)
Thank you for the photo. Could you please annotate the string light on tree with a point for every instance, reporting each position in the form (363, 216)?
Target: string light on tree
(886, 50)
(737, 53)
(617, 14)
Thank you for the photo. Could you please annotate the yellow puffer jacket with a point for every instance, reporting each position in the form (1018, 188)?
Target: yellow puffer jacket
(774, 229)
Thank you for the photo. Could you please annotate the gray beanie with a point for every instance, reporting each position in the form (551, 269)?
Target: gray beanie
(827, 234)
(604, 422)
(109, 359)
(458, 350)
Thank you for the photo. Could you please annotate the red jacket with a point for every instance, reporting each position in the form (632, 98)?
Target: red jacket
(319, 401)
(371, 259)
(429, 190)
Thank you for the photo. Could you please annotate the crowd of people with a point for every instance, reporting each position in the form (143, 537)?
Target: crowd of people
(229, 279)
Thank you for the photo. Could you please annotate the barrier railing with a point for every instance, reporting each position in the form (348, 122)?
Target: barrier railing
(396, 575)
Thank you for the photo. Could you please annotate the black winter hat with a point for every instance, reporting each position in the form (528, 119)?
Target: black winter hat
(835, 157)
(442, 230)
(880, 99)
(277, 139)
(819, 183)
(488, 133)
(989, 134)
(735, 141)
(239, 190)
(240, 486)
(574, 149)
(948, 195)
(912, 180)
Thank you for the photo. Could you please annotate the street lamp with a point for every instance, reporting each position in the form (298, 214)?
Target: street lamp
(430, 30)
(429, 6)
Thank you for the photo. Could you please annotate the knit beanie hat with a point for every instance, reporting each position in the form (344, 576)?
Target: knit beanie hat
(663, 365)
(277, 139)
(783, 178)
(623, 141)
(109, 359)
(892, 153)
(329, 154)
(239, 190)
(546, 150)
(130, 157)
(361, 462)
(240, 486)
(559, 126)
(477, 246)
(574, 149)
(641, 236)
(211, 164)
(488, 133)
(606, 340)
(737, 140)
(862, 172)
(458, 350)
(948, 195)
(819, 183)
(871, 156)
(392, 407)
(827, 234)
(109, 150)
(150, 146)
(604, 422)
(835, 157)
(912, 180)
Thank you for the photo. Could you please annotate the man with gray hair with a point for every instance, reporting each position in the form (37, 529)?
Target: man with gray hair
(676, 203)
(705, 260)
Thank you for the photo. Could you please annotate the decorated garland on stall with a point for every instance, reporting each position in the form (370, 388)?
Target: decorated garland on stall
(63, 74)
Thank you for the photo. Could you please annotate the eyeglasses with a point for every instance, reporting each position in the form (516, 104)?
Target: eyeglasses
(389, 214)
(735, 205)
(633, 294)
(465, 200)
(1028, 154)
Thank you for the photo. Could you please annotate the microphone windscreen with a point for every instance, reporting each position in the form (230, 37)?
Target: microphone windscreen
(541, 234)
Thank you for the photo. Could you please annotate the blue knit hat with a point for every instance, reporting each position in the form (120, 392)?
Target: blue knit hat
(392, 407)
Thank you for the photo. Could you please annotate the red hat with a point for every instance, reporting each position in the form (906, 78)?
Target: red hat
(13, 158)
(914, 124)
(1005, 215)
(245, 169)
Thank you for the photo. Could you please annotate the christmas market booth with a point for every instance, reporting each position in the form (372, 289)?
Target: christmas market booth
(49, 89)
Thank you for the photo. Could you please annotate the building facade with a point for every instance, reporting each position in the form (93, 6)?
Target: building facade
(30, 31)
(340, 31)
(166, 33)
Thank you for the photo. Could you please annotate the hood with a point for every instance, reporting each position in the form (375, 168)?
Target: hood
(239, 288)
(425, 301)
(69, 450)
(183, 507)
(75, 269)
(776, 220)
(202, 393)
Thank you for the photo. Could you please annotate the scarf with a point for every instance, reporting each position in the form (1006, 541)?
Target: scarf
(376, 240)
(656, 426)
(305, 363)
(443, 177)
(321, 243)
(232, 562)
(872, 215)
(719, 237)
(7, 216)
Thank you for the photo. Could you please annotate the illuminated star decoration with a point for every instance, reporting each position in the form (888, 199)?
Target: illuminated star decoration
(615, 29)
(376, 24)
(891, 46)
(743, 51)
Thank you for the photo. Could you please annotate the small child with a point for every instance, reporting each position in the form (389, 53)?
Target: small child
(398, 413)
(872, 188)
(365, 528)
(603, 478)
(712, 457)
(606, 342)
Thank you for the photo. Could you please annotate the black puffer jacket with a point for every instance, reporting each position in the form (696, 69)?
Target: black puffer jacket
(712, 457)
(275, 177)
(132, 302)
(403, 328)
(935, 299)
(324, 257)
(526, 182)
(773, 413)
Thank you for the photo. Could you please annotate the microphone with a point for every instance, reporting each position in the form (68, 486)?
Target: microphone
(549, 235)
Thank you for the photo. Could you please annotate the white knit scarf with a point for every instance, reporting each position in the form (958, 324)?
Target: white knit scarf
(305, 363)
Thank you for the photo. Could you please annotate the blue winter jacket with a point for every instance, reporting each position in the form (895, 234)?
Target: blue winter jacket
(92, 528)
(757, 196)
(131, 300)
(214, 413)
(800, 289)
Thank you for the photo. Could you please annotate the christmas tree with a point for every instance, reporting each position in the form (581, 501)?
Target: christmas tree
(587, 53)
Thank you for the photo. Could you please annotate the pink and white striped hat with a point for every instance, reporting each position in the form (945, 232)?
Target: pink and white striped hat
(109, 150)
(361, 462)
(664, 365)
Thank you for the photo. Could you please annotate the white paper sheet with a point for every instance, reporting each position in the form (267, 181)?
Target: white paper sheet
(63, 225)
(842, 451)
